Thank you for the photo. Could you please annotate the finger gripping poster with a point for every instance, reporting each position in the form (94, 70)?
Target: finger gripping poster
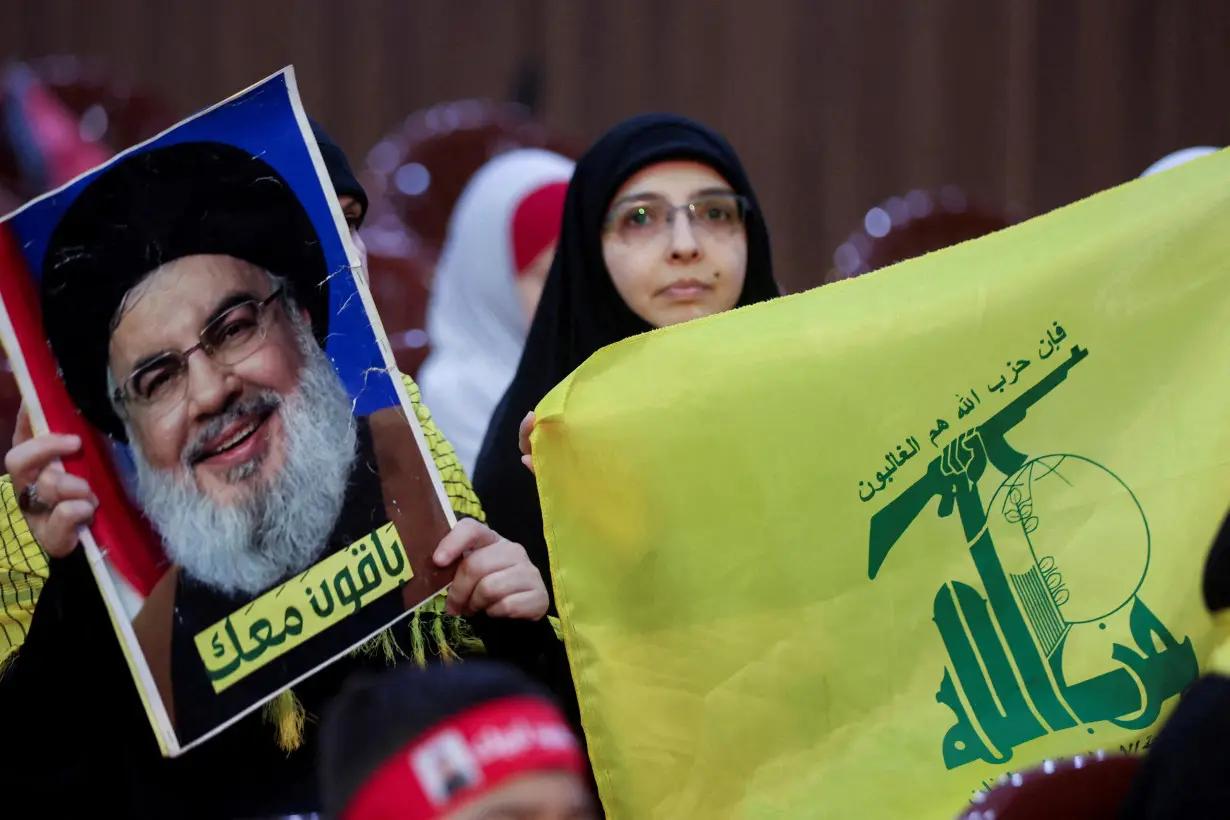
(194, 310)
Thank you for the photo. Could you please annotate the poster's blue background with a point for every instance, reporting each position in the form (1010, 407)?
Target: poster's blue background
(262, 122)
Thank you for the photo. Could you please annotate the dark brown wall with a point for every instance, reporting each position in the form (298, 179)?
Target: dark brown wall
(834, 104)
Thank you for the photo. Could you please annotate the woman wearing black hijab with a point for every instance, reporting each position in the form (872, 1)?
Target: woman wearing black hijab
(660, 225)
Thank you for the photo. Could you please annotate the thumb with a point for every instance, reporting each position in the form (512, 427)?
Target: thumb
(24, 431)
(524, 432)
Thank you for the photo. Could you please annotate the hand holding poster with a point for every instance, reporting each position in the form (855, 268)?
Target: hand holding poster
(191, 310)
(862, 551)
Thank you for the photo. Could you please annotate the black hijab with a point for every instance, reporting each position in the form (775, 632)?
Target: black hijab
(345, 183)
(580, 310)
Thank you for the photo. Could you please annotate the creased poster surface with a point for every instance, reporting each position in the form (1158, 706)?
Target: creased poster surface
(195, 311)
(862, 551)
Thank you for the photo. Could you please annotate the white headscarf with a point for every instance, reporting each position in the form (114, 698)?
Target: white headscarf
(475, 321)
(1178, 158)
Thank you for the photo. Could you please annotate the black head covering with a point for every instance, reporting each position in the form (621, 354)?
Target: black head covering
(152, 208)
(377, 715)
(1216, 579)
(345, 183)
(580, 310)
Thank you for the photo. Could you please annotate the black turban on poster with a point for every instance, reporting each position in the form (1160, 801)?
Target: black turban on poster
(154, 207)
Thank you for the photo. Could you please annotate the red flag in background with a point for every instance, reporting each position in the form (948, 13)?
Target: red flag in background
(123, 535)
(50, 150)
(46, 136)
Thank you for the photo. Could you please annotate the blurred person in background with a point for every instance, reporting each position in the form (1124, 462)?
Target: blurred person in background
(1177, 158)
(660, 226)
(501, 239)
(351, 197)
(466, 742)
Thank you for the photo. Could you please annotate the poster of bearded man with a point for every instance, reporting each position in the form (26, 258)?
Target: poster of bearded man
(195, 311)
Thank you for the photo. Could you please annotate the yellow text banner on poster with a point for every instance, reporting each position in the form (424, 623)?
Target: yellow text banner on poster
(303, 607)
(862, 551)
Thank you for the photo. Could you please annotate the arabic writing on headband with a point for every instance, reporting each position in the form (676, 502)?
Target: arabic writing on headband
(349, 579)
(967, 403)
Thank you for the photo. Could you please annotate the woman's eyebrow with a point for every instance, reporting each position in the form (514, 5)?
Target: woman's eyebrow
(643, 196)
(638, 196)
(715, 190)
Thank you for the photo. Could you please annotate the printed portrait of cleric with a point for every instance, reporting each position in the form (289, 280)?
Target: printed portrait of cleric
(185, 298)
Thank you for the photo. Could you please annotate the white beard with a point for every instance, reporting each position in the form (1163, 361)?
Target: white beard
(278, 529)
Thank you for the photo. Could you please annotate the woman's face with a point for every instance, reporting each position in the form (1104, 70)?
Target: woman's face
(675, 243)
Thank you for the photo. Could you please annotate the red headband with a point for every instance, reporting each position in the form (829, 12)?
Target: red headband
(536, 223)
(465, 757)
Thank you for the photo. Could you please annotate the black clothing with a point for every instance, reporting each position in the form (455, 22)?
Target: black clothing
(581, 312)
(1184, 771)
(89, 742)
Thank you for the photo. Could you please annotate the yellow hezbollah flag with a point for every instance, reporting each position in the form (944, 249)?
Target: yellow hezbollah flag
(862, 551)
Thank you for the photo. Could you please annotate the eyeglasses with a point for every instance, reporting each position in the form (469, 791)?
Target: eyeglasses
(228, 339)
(650, 218)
